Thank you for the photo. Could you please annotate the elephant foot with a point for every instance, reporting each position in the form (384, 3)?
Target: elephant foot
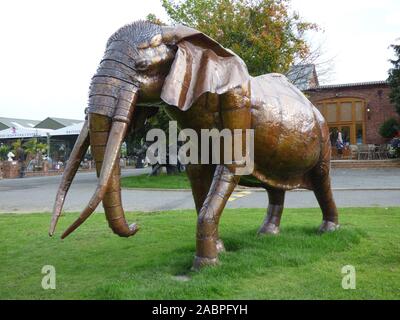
(220, 246)
(269, 228)
(200, 262)
(328, 226)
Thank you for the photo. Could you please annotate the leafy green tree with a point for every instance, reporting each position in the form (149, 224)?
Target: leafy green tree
(34, 148)
(394, 79)
(153, 18)
(264, 33)
(16, 145)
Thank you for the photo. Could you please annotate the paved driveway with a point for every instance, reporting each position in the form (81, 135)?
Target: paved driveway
(352, 187)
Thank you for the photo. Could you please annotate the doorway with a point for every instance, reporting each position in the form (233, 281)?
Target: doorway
(345, 115)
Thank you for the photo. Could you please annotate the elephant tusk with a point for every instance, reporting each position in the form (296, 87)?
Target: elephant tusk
(78, 152)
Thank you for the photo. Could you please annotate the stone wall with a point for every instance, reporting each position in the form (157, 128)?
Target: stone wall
(12, 170)
(9, 169)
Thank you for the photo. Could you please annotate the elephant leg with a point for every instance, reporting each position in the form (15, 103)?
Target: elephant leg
(201, 176)
(272, 220)
(223, 184)
(321, 184)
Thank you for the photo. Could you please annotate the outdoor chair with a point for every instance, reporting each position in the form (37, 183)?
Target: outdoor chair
(363, 151)
(383, 151)
(372, 152)
(353, 151)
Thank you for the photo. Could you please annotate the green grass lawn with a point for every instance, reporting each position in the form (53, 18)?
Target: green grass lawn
(298, 264)
(162, 181)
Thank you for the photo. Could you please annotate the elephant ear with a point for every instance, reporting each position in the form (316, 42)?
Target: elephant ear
(201, 65)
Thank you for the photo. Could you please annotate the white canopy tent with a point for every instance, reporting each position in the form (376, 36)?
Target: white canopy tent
(58, 141)
(74, 129)
(22, 132)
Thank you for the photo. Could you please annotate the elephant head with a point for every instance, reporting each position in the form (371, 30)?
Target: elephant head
(143, 62)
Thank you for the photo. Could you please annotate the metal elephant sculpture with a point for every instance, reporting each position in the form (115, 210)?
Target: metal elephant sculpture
(206, 86)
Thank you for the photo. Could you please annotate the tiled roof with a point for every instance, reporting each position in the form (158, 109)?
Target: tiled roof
(344, 85)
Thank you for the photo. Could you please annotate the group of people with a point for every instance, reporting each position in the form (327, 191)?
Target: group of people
(394, 144)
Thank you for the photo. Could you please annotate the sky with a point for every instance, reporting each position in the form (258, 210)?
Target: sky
(51, 49)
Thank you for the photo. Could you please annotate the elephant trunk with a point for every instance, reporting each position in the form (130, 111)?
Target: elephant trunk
(112, 101)
(105, 131)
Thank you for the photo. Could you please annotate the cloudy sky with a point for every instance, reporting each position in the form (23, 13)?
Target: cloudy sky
(50, 49)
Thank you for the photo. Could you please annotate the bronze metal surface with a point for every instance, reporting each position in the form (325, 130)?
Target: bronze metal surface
(77, 154)
(206, 86)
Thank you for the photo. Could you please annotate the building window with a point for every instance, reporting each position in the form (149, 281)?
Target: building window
(359, 111)
(346, 111)
(345, 115)
(331, 112)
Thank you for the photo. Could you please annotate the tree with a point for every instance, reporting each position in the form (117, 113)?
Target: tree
(262, 32)
(17, 144)
(153, 18)
(394, 79)
(35, 149)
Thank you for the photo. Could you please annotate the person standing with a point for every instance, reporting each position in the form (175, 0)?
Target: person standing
(339, 145)
(21, 160)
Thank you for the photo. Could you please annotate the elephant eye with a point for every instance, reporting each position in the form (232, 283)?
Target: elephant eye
(141, 65)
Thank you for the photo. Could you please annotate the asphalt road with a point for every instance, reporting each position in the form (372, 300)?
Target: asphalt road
(352, 187)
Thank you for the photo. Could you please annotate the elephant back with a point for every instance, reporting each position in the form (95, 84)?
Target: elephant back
(284, 102)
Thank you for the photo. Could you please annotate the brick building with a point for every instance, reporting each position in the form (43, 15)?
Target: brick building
(355, 109)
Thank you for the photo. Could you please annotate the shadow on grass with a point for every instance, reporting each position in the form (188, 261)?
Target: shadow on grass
(247, 256)
(295, 246)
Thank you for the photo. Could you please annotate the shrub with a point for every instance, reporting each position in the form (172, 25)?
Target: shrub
(389, 128)
(4, 149)
(394, 150)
